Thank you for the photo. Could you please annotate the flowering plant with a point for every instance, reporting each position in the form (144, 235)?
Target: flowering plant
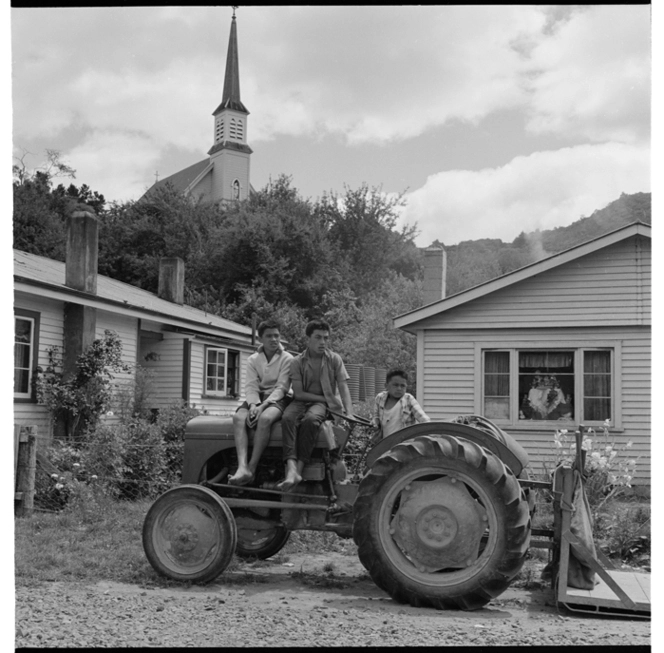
(608, 471)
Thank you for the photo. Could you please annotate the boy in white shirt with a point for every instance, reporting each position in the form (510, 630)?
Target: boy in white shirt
(267, 393)
(394, 408)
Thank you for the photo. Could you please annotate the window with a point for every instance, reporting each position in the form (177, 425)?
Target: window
(548, 385)
(26, 346)
(221, 372)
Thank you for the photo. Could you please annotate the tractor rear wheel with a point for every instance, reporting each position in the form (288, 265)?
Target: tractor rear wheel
(441, 521)
(189, 534)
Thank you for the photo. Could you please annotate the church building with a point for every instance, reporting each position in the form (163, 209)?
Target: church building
(224, 174)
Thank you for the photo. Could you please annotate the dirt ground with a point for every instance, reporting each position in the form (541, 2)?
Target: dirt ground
(325, 600)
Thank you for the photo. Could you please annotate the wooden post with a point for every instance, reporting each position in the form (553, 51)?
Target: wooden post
(25, 471)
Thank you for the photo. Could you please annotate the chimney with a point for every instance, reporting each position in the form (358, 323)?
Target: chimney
(80, 322)
(171, 280)
(81, 257)
(435, 274)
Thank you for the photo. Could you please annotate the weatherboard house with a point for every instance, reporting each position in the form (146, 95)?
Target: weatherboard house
(558, 343)
(224, 174)
(196, 357)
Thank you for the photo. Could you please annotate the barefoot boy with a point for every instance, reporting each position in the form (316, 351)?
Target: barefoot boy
(266, 391)
(394, 408)
(319, 381)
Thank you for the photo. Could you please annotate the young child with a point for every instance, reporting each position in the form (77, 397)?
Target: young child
(394, 408)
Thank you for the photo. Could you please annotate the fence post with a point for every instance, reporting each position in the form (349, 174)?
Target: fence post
(24, 498)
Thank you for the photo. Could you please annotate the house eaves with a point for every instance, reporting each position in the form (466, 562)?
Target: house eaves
(408, 321)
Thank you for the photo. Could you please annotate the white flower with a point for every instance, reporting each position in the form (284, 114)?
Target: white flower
(629, 444)
(76, 465)
(109, 413)
(54, 476)
(94, 477)
(563, 431)
(59, 486)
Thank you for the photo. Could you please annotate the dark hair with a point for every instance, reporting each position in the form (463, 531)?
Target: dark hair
(267, 324)
(316, 324)
(392, 373)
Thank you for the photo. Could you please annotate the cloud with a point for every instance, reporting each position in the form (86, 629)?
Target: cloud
(120, 159)
(540, 191)
(591, 77)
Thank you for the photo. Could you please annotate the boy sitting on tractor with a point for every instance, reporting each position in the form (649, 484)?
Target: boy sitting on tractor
(267, 393)
(319, 381)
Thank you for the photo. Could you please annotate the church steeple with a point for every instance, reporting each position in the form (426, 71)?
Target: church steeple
(231, 96)
(229, 154)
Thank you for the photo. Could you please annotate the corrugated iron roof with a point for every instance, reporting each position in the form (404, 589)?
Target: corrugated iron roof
(52, 273)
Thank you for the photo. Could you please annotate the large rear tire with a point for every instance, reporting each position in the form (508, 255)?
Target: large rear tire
(441, 521)
(189, 534)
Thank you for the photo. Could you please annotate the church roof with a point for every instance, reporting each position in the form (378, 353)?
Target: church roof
(231, 95)
(182, 179)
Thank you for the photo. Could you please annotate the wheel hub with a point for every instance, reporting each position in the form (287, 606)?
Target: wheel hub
(439, 525)
(184, 539)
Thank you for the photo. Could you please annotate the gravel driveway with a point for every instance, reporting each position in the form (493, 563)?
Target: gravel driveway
(295, 604)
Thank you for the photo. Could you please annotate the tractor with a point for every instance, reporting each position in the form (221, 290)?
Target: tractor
(440, 511)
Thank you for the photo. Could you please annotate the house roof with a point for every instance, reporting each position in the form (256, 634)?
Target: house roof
(407, 321)
(32, 271)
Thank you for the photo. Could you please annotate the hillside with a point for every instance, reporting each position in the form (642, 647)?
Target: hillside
(474, 261)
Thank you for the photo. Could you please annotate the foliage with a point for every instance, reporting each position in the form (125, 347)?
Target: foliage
(40, 211)
(623, 531)
(80, 399)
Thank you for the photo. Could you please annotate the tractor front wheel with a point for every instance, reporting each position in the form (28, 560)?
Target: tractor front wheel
(441, 521)
(189, 534)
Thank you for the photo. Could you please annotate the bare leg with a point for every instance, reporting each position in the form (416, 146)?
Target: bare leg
(243, 474)
(262, 435)
(293, 475)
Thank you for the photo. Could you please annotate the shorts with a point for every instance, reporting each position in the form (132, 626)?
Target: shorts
(281, 404)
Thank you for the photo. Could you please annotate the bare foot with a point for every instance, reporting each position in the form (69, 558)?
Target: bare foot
(291, 480)
(241, 477)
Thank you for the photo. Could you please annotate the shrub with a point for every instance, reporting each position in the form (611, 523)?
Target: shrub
(78, 401)
(53, 491)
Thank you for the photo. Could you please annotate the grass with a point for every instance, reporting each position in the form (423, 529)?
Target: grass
(100, 540)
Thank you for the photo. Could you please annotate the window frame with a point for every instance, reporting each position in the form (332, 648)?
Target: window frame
(578, 348)
(35, 317)
(229, 353)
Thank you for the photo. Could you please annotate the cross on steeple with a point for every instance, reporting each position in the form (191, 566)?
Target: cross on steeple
(156, 176)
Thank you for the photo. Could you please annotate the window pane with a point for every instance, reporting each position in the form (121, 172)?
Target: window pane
(21, 356)
(597, 362)
(210, 384)
(597, 409)
(23, 330)
(597, 385)
(546, 385)
(21, 380)
(497, 407)
(497, 384)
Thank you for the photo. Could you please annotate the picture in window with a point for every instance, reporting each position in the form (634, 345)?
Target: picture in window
(546, 385)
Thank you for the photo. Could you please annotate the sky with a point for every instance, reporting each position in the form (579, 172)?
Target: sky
(492, 120)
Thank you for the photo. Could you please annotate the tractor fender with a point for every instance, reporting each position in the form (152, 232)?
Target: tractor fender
(509, 450)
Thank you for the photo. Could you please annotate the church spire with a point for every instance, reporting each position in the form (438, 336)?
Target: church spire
(231, 95)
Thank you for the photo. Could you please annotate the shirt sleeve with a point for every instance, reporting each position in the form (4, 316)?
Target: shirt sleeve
(416, 410)
(340, 372)
(283, 380)
(296, 371)
(375, 420)
(251, 386)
